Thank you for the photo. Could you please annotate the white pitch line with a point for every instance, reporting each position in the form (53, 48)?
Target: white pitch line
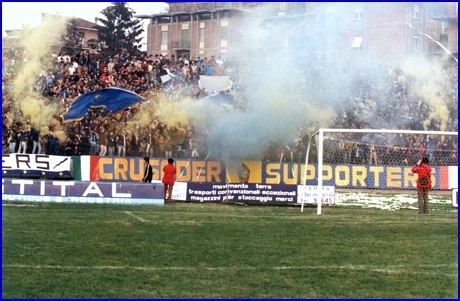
(139, 218)
(18, 205)
(382, 269)
(304, 218)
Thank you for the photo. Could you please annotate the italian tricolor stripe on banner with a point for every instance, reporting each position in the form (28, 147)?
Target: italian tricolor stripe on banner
(86, 168)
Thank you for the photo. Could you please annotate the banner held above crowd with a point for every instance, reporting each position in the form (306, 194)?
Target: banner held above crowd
(113, 99)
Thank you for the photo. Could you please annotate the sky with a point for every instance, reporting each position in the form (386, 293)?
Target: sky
(14, 14)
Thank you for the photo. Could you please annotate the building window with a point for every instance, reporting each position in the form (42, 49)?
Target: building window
(185, 18)
(207, 5)
(301, 6)
(224, 15)
(82, 37)
(443, 27)
(201, 34)
(223, 33)
(416, 11)
(444, 39)
(164, 20)
(358, 14)
(205, 16)
(416, 46)
(226, 4)
(357, 44)
(330, 21)
(164, 37)
(282, 5)
(184, 38)
(357, 29)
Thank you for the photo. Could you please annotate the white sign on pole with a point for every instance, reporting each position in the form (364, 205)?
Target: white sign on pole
(455, 197)
(309, 194)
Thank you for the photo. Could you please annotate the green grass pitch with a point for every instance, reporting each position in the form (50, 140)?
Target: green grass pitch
(186, 250)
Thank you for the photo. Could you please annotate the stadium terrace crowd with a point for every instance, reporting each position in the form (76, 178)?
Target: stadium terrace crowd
(382, 96)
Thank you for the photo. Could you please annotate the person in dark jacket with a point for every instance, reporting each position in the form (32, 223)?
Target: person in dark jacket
(423, 170)
(23, 138)
(147, 178)
(35, 140)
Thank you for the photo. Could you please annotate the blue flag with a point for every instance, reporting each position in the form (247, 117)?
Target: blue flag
(113, 98)
(222, 97)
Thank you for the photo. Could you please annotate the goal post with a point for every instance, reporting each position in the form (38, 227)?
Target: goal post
(373, 163)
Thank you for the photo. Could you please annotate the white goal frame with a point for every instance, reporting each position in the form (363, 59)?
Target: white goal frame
(321, 132)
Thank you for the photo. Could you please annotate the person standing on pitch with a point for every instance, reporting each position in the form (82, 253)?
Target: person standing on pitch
(423, 183)
(168, 178)
(147, 178)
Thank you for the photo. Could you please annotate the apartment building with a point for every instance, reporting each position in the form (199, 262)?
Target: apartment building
(384, 31)
(195, 29)
(447, 16)
(86, 30)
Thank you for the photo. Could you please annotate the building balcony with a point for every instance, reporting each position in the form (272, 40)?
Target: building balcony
(178, 45)
(188, 8)
(444, 12)
(434, 48)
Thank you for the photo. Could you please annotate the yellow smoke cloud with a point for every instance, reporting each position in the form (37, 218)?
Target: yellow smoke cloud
(163, 109)
(428, 74)
(37, 48)
(38, 112)
(175, 112)
(60, 134)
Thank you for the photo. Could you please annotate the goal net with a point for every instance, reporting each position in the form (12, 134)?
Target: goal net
(372, 169)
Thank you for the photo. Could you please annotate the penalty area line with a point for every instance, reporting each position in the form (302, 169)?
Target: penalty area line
(135, 216)
(381, 269)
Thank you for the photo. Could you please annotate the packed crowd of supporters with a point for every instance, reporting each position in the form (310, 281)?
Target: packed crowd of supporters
(382, 96)
(101, 132)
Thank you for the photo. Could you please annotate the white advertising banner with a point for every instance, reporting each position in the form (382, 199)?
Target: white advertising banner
(35, 164)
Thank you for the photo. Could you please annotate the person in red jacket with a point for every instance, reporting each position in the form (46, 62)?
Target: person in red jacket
(168, 178)
(423, 170)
